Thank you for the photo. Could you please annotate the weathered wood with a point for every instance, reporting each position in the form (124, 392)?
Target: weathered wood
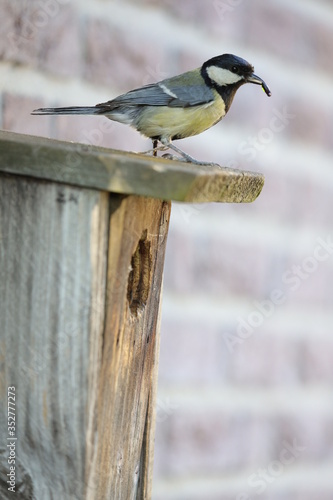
(123, 172)
(79, 301)
(138, 230)
(52, 287)
(147, 455)
(80, 282)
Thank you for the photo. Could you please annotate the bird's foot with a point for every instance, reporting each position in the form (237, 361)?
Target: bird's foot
(153, 152)
(181, 155)
(185, 157)
(169, 156)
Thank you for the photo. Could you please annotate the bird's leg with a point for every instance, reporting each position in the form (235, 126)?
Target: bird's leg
(184, 155)
(155, 143)
(155, 149)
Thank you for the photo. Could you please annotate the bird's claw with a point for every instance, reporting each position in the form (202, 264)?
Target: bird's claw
(169, 156)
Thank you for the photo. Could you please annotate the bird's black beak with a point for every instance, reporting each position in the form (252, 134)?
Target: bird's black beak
(259, 81)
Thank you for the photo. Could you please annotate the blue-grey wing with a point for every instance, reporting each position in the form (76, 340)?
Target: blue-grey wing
(191, 95)
(159, 94)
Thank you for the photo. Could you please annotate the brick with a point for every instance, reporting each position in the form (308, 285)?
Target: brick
(292, 35)
(298, 494)
(191, 354)
(288, 197)
(317, 43)
(181, 496)
(185, 60)
(217, 264)
(311, 430)
(315, 114)
(19, 40)
(122, 59)
(308, 279)
(323, 494)
(277, 358)
(281, 188)
(17, 117)
(310, 201)
(188, 10)
(187, 346)
(317, 361)
(251, 109)
(60, 42)
(210, 17)
(204, 442)
(43, 34)
(226, 19)
(225, 267)
(261, 30)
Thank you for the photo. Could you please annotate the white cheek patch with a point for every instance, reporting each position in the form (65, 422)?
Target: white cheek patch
(222, 76)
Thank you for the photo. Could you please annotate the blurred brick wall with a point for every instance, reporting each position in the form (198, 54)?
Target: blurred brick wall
(245, 405)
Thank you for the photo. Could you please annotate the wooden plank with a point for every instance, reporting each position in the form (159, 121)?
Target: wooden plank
(79, 302)
(80, 281)
(147, 453)
(125, 424)
(52, 290)
(123, 172)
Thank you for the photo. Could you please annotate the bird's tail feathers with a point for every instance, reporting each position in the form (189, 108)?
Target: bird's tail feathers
(73, 110)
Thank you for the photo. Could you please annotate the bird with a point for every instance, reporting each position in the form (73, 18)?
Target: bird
(178, 107)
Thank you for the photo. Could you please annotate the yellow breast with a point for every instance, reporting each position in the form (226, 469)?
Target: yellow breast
(177, 123)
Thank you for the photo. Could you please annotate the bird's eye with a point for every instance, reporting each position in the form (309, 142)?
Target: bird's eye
(234, 69)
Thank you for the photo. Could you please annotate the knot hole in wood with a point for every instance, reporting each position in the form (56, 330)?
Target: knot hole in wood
(140, 275)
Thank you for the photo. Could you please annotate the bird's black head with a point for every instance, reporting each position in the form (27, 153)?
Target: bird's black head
(226, 73)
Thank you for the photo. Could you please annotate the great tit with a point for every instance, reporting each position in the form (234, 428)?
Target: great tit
(177, 107)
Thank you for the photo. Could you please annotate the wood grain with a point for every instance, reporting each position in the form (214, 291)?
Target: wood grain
(138, 231)
(80, 281)
(52, 285)
(123, 172)
(82, 241)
